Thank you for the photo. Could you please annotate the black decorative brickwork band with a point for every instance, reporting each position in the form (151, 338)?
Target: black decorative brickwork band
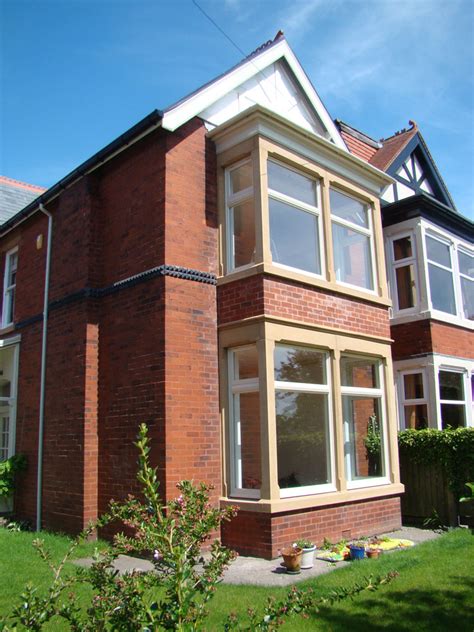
(175, 271)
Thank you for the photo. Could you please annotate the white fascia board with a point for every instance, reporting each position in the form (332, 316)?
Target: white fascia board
(260, 121)
(179, 114)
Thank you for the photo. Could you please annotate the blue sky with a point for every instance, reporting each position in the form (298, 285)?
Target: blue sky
(77, 73)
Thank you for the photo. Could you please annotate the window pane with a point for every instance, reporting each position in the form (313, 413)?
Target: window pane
(363, 438)
(352, 257)
(438, 252)
(303, 439)
(296, 185)
(299, 364)
(452, 415)
(4, 434)
(294, 237)
(467, 288)
(247, 432)
(245, 363)
(241, 178)
(361, 373)
(441, 289)
(416, 417)
(466, 264)
(243, 234)
(348, 208)
(451, 386)
(406, 287)
(413, 386)
(402, 248)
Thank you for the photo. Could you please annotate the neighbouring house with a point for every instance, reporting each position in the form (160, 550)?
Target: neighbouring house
(429, 249)
(217, 272)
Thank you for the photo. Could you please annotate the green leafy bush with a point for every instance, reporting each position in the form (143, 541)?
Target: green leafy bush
(451, 449)
(8, 471)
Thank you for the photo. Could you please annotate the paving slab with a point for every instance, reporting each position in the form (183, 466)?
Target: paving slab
(258, 572)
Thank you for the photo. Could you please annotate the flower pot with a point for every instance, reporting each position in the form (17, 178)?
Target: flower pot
(357, 552)
(373, 553)
(307, 557)
(292, 559)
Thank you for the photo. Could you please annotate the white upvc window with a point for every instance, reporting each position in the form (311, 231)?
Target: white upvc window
(296, 234)
(440, 273)
(413, 399)
(9, 287)
(8, 398)
(404, 273)
(365, 430)
(240, 216)
(466, 279)
(304, 421)
(245, 443)
(453, 397)
(352, 238)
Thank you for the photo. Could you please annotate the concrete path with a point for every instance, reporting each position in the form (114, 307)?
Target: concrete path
(258, 572)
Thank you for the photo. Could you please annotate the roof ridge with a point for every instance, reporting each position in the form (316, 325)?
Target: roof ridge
(404, 130)
(24, 185)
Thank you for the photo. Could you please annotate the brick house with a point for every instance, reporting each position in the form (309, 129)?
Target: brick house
(217, 272)
(430, 268)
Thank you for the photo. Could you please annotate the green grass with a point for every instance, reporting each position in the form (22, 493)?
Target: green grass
(434, 591)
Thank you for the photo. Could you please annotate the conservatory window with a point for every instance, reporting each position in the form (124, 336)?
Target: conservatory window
(303, 420)
(414, 402)
(403, 257)
(352, 240)
(466, 275)
(240, 216)
(245, 422)
(9, 286)
(440, 273)
(364, 424)
(295, 219)
(452, 397)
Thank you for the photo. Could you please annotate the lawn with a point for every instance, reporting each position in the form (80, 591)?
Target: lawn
(434, 591)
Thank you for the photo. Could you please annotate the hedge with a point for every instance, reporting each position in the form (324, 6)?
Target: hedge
(451, 449)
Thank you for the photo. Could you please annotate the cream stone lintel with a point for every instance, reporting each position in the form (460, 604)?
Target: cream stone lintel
(245, 322)
(315, 500)
(339, 429)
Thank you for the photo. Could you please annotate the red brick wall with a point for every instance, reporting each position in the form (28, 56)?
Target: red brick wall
(264, 535)
(289, 299)
(431, 336)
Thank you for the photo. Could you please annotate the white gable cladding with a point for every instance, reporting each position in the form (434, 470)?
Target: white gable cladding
(273, 89)
(272, 78)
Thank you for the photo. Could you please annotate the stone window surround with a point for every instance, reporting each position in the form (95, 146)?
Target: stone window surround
(265, 333)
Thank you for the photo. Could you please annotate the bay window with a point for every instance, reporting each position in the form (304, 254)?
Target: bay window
(452, 396)
(364, 425)
(352, 240)
(240, 216)
(404, 272)
(303, 420)
(413, 400)
(8, 386)
(466, 275)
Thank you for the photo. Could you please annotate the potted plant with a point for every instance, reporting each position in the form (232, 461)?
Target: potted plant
(307, 556)
(357, 550)
(292, 559)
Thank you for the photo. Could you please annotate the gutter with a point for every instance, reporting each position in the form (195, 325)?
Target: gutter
(39, 479)
(131, 136)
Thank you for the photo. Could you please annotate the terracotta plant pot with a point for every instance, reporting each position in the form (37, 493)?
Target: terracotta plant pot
(292, 558)
(373, 553)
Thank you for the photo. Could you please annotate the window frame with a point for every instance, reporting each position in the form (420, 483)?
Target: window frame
(401, 263)
(367, 232)
(11, 401)
(403, 401)
(9, 289)
(446, 241)
(317, 211)
(232, 200)
(323, 389)
(373, 393)
(466, 385)
(465, 251)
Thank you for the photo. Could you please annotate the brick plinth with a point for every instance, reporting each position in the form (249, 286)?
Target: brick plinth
(264, 535)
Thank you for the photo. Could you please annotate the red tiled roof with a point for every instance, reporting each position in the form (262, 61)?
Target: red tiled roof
(358, 147)
(392, 146)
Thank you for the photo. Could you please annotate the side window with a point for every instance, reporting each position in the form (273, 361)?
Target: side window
(9, 287)
(404, 272)
(466, 275)
(453, 398)
(414, 400)
(240, 218)
(440, 275)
